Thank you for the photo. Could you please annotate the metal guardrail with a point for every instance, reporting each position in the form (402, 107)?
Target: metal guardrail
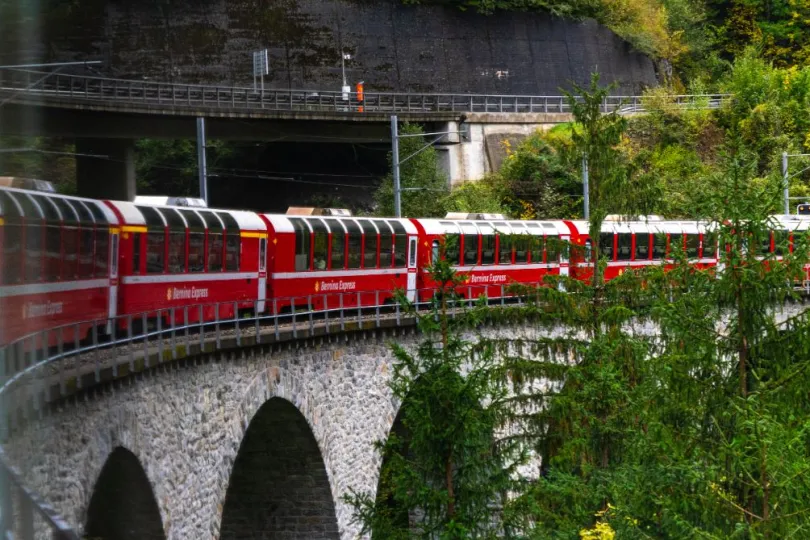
(43, 368)
(80, 88)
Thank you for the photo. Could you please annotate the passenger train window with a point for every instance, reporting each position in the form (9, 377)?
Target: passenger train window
(177, 251)
(606, 245)
(155, 252)
(102, 250)
(692, 244)
(232, 251)
(12, 253)
(320, 252)
(709, 244)
(302, 245)
(196, 251)
(434, 252)
(537, 248)
(215, 247)
(338, 254)
(780, 243)
(452, 248)
(504, 249)
(675, 244)
(370, 245)
(338, 261)
(624, 249)
(70, 247)
(86, 254)
(642, 246)
(765, 244)
(400, 244)
(33, 251)
(400, 250)
(386, 246)
(552, 249)
(521, 242)
(659, 246)
(53, 253)
(487, 249)
(355, 247)
(470, 249)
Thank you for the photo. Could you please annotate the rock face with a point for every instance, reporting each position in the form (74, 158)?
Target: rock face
(427, 48)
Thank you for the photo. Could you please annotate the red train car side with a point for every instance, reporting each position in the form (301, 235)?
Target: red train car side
(493, 253)
(324, 261)
(173, 257)
(58, 265)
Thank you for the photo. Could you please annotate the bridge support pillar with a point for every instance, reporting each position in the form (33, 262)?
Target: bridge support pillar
(105, 168)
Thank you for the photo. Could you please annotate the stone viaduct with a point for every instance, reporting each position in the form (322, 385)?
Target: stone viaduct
(259, 442)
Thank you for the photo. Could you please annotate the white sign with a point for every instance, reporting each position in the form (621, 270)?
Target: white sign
(260, 64)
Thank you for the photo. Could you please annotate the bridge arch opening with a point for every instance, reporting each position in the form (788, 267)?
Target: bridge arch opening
(279, 487)
(123, 505)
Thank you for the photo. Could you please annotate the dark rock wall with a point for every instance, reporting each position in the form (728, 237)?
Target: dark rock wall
(393, 47)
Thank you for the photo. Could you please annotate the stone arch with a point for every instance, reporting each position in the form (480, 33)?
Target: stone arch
(123, 505)
(279, 486)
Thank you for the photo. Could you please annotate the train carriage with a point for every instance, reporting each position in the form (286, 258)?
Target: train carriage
(494, 253)
(635, 244)
(58, 265)
(332, 262)
(173, 257)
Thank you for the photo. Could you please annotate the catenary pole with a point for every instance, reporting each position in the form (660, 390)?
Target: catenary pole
(585, 187)
(785, 182)
(395, 166)
(201, 166)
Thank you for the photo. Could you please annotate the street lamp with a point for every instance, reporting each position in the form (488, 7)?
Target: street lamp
(346, 89)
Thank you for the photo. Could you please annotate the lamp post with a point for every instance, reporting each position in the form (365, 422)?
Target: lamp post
(345, 89)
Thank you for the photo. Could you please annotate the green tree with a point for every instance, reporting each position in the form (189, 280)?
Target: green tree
(424, 185)
(447, 476)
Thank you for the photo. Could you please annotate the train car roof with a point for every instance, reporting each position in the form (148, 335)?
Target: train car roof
(490, 226)
(792, 222)
(136, 214)
(283, 223)
(16, 202)
(653, 227)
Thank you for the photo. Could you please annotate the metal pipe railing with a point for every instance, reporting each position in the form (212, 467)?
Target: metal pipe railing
(100, 89)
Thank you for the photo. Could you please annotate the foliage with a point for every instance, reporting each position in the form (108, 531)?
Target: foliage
(31, 157)
(482, 196)
(423, 184)
(444, 474)
(540, 178)
(170, 166)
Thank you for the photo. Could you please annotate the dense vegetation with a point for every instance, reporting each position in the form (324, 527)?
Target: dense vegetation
(673, 405)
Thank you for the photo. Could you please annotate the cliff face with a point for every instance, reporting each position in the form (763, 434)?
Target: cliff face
(393, 47)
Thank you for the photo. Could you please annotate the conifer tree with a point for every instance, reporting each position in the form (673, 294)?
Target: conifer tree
(445, 471)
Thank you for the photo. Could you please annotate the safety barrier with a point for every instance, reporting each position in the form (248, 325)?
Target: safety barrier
(80, 88)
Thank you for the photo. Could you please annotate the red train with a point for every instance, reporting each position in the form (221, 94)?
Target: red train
(66, 260)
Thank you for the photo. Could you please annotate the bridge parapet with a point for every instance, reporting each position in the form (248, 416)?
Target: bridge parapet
(64, 90)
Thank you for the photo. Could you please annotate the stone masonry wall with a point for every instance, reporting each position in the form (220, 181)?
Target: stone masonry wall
(394, 47)
(185, 426)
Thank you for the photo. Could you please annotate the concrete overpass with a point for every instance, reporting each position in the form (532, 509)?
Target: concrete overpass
(106, 115)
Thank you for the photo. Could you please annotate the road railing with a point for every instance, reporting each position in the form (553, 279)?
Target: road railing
(127, 92)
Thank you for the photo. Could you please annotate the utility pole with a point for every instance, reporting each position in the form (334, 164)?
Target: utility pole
(201, 167)
(462, 131)
(786, 178)
(785, 182)
(395, 166)
(585, 187)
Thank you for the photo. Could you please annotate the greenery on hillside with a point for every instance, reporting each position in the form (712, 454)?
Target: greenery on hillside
(671, 405)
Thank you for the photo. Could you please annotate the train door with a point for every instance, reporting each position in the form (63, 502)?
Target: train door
(412, 269)
(113, 265)
(262, 274)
